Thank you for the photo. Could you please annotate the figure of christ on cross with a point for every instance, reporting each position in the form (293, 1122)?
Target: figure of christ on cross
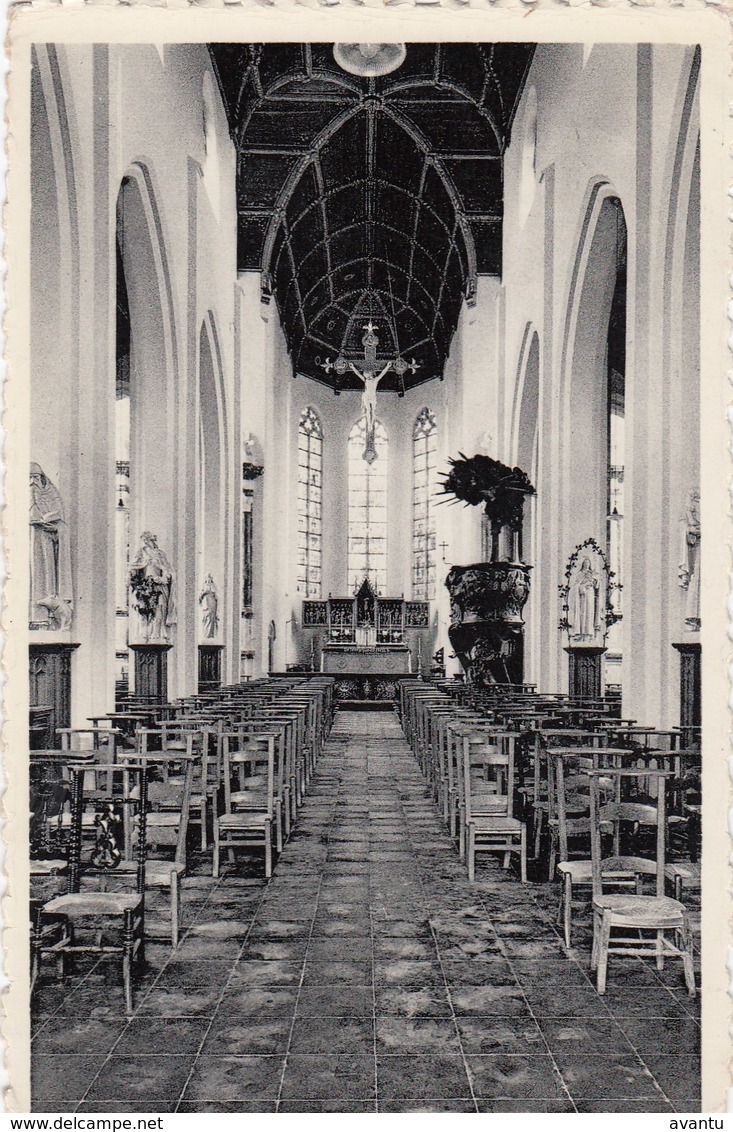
(371, 379)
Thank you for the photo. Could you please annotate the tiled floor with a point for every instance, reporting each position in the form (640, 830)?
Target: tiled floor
(368, 975)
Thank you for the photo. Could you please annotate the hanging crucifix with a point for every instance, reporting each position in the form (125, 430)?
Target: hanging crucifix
(371, 376)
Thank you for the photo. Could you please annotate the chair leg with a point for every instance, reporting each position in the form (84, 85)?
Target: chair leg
(596, 937)
(552, 862)
(687, 961)
(128, 946)
(215, 863)
(204, 844)
(471, 852)
(279, 830)
(268, 850)
(35, 959)
(523, 854)
(567, 908)
(174, 909)
(660, 950)
(603, 943)
(537, 832)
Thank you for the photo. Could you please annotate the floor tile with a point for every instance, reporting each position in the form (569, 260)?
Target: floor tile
(261, 1106)
(343, 1105)
(678, 1075)
(605, 1076)
(59, 1081)
(514, 1075)
(162, 1035)
(234, 1078)
(330, 1077)
(445, 1104)
(333, 1036)
(244, 1036)
(406, 1076)
(147, 1077)
(337, 1002)
(495, 1035)
(400, 1035)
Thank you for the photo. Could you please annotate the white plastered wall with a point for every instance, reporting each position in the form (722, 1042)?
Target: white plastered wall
(93, 127)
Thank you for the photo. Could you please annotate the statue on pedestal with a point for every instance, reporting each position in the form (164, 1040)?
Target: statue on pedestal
(51, 594)
(584, 600)
(689, 565)
(209, 601)
(152, 584)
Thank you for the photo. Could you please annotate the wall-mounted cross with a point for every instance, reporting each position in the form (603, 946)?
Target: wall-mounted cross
(371, 378)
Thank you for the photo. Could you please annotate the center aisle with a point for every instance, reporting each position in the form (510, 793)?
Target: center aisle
(416, 991)
(368, 975)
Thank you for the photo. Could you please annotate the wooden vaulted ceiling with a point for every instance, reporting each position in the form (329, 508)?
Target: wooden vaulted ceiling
(362, 197)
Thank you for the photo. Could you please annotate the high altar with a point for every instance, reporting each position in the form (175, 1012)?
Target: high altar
(365, 633)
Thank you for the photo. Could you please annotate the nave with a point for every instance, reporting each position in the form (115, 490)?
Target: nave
(367, 975)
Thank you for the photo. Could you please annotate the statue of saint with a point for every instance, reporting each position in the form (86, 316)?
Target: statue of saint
(584, 601)
(51, 594)
(151, 582)
(209, 600)
(689, 565)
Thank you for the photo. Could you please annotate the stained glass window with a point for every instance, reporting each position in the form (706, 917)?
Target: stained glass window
(367, 549)
(423, 518)
(310, 503)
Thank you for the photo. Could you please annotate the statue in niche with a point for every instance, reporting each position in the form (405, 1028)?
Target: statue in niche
(689, 566)
(51, 594)
(209, 601)
(585, 602)
(152, 584)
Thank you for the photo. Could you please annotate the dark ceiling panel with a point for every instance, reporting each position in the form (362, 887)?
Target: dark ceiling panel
(370, 199)
(479, 184)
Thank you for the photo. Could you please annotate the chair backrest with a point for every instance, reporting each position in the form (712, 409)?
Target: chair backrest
(251, 759)
(621, 812)
(570, 797)
(284, 728)
(488, 773)
(120, 824)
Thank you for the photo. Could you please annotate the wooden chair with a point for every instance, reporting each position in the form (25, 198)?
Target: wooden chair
(281, 731)
(248, 812)
(113, 918)
(167, 819)
(650, 925)
(488, 776)
(571, 788)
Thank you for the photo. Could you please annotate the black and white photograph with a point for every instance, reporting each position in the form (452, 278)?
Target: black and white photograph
(365, 572)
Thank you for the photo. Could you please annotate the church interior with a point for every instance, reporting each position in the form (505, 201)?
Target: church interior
(364, 606)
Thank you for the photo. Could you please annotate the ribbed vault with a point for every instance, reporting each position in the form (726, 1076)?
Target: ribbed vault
(379, 197)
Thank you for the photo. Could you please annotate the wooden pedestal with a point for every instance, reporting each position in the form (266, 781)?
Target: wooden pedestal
(584, 671)
(210, 667)
(690, 686)
(151, 671)
(49, 671)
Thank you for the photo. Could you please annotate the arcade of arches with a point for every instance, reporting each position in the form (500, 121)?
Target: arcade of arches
(530, 261)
